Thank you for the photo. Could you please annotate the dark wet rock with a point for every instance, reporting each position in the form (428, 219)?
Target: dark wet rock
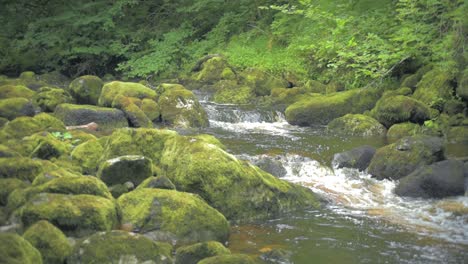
(399, 159)
(271, 165)
(438, 180)
(106, 118)
(358, 158)
(159, 182)
(131, 168)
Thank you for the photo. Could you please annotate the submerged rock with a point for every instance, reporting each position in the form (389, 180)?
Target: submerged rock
(439, 180)
(271, 165)
(16, 250)
(166, 215)
(50, 241)
(120, 247)
(399, 159)
(106, 118)
(131, 168)
(194, 253)
(358, 158)
(357, 125)
(86, 89)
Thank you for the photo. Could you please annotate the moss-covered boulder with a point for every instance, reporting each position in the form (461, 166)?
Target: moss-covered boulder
(106, 118)
(438, 180)
(320, 110)
(122, 169)
(398, 131)
(12, 91)
(75, 215)
(236, 188)
(167, 215)
(434, 85)
(50, 241)
(88, 155)
(194, 253)
(314, 86)
(16, 250)
(120, 247)
(151, 109)
(159, 182)
(398, 109)
(12, 108)
(229, 259)
(458, 134)
(8, 152)
(180, 108)
(113, 89)
(132, 107)
(261, 82)
(47, 146)
(47, 98)
(7, 186)
(54, 78)
(86, 89)
(357, 125)
(399, 159)
(462, 88)
(26, 126)
(213, 70)
(286, 96)
(24, 169)
(237, 95)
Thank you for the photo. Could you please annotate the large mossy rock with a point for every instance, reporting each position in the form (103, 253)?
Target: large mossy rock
(194, 253)
(321, 109)
(398, 109)
(398, 131)
(11, 91)
(106, 118)
(26, 126)
(120, 247)
(439, 180)
(113, 89)
(47, 98)
(166, 215)
(86, 89)
(24, 169)
(358, 158)
(7, 186)
(357, 125)
(229, 259)
(88, 156)
(75, 215)
(399, 159)
(129, 168)
(213, 70)
(132, 107)
(435, 84)
(180, 107)
(12, 108)
(16, 250)
(50, 241)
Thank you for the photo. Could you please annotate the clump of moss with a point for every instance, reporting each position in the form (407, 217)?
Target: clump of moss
(238, 95)
(170, 215)
(120, 247)
(12, 108)
(113, 89)
(26, 126)
(16, 250)
(398, 131)
(398, 109)
(434, 84)
(11, 91)
(24, 169)
(151, 109)
(194, 253)
(261, 82)
(357, 125)
(86, 89)
(48, 98)
(229, 259)
(88, 156)
(50, 241)
(214, 70)
(7, 186)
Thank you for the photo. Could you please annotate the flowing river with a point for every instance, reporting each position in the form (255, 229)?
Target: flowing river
(363, 221)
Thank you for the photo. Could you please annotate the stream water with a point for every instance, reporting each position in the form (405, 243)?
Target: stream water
(363, 221)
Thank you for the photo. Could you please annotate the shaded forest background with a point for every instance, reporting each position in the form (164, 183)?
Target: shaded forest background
(348, 41)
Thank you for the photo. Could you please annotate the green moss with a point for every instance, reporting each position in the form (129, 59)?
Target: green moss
(24, 169)
(16, 250)
(398, 131)
(7, 152)
(54, 173)
(150, 108)
(10, 91)
(453, 107)
(86, 89)
(313, 86)
(81, 136)
(458, 134)
(12, 108)
(111, 90)
(25, 126)
(319, 110)
(48, 98)
(75, 215)
(160, 182)
(229, 259)
(261, 82)
(398, 109)
(136, 116)
(287, 96)
(46, 146)
(55, 78)
(120, 247)
(236, 188)
(50, 241)
(411, 81)
(180, 108)
(213, 70)
(462, 88)
(106, 118)
(3, 121)
(194, 253)
(434, 84)
(27, 75)
(88, 156)
(7, 186)
(122, 169)
(357, 125)
(170, 215)
(238, 95)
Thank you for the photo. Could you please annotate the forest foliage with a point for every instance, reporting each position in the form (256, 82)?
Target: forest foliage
(350, 41)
